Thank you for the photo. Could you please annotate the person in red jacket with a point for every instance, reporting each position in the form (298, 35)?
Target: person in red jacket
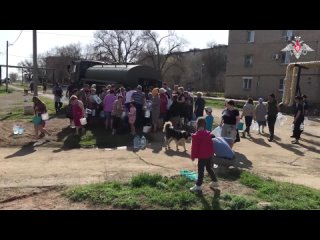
(202, 148)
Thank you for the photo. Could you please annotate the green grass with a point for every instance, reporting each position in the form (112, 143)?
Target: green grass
(220, 103)
(3, 89)
(88, 140)
(153, 191)
(214, 94)
(17, 112)
(282, 195)
(144, 191)
(97, 137)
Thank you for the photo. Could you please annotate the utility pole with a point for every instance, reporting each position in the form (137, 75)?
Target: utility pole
(7, 69)
(35, 65)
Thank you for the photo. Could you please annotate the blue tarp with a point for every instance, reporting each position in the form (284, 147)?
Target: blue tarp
(222, 148)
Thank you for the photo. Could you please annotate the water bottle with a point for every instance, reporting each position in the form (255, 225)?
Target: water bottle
(136, 142)
(143, 142)
(20, 130)
(15, 129)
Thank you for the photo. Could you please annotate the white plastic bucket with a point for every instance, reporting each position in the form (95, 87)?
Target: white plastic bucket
(45, 116)
(83, 121)
(146, 129)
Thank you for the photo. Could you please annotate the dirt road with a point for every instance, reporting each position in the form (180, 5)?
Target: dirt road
(44, 167)
(40, 166)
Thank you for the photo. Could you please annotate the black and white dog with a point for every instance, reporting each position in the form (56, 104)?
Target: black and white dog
(179, 136)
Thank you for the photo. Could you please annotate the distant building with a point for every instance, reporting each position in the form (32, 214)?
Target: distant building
(60, 64)
(256, 66)
(198, 69)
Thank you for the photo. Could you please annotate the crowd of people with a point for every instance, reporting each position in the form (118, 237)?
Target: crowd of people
(133, 108)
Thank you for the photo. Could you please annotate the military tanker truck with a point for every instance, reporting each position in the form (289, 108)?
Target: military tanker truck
(101, 74)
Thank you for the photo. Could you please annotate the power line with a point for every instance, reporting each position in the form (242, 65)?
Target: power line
(17, 38)
(61, 34)
(25, 56)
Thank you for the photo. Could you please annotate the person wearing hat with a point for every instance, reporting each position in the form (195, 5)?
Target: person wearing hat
(209, 118)
(259, 115)
(298, 119)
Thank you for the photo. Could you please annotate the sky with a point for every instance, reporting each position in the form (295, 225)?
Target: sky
(20, 41)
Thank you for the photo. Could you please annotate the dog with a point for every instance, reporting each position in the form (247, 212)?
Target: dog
(179, 136)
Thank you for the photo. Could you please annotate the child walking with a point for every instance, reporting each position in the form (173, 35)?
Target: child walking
(132, 117)
(209, 118)
(202, 148)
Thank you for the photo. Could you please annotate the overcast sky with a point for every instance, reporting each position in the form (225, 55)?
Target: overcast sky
(47, 39)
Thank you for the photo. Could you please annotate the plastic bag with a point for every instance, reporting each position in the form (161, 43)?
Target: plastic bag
(306, 121)
(36, 120)
(240, 126)
(281, 119)
(123, 114)
(254, 126)
(189, 174)
(217, 131)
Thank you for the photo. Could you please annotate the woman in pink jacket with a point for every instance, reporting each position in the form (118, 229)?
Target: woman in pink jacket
(202, 148)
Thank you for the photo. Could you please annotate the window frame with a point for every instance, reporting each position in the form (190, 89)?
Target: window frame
(245, 85)
(245, 60)
(250, 36)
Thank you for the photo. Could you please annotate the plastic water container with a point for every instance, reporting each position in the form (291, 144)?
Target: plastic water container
(143, 142)
(83, 121)
(20, 130)
(45, 116)
(147, 114)
(136, 142)
(15, 129)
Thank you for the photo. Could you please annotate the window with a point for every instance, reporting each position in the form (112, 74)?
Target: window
(247, 83)
(285, 57)
(281, 84)
(248, 60)
(250, 36)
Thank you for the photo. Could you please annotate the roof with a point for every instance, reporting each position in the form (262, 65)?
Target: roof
(121, 73)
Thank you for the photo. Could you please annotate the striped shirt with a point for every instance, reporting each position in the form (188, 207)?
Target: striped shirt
(138, 97)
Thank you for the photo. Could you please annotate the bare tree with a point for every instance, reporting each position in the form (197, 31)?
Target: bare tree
(215, 64)
(162, 50)
(13, 76)
(88, 52)
(212, 44)
(118, 46)
(28, 66)
(72, 50)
